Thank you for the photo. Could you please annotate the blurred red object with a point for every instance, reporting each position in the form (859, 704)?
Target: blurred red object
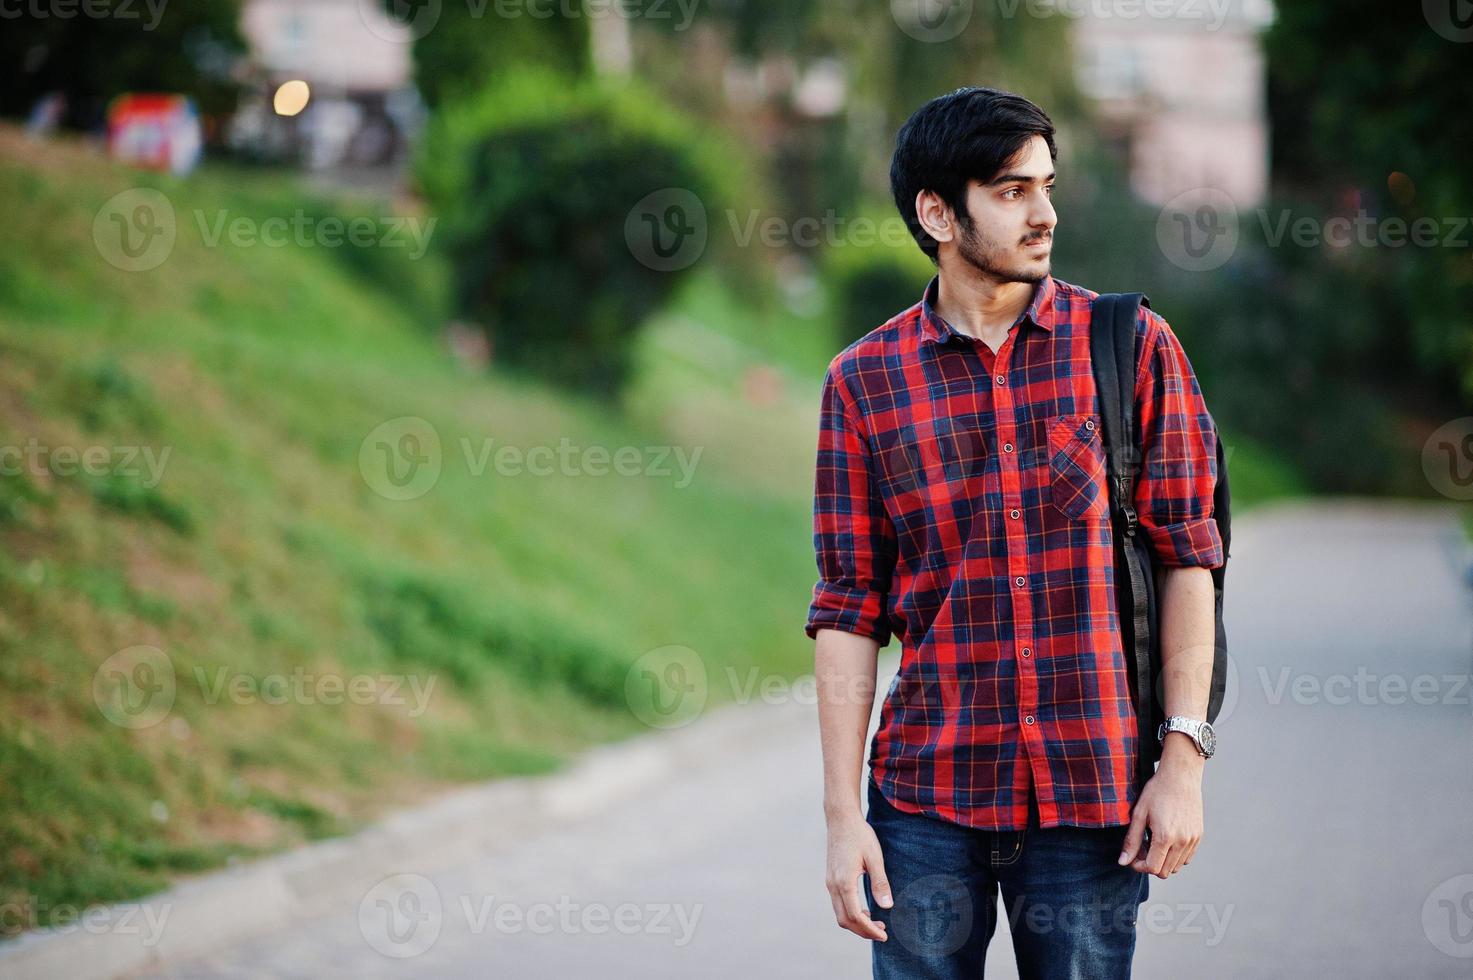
(156, 131)
(762, 386)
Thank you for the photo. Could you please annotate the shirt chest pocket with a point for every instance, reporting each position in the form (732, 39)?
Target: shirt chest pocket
(1076, 471)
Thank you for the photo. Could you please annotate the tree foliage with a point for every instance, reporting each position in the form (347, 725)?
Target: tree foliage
(1370, 112)
(95, 51)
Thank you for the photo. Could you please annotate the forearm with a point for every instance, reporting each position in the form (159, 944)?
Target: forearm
(844, 669)
(1188, 641)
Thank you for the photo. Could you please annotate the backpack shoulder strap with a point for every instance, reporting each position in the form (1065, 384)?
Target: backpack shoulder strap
(1112, 343)
(1112, 353)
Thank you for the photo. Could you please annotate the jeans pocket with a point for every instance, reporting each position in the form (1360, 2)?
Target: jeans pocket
(1077, 467)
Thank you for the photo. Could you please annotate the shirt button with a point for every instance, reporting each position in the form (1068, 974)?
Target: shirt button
(1089, 424)
(1019, 581)
(1028, 719)
(1007, 447)
(1013, 513)
(1027, 652)
(1001, 380)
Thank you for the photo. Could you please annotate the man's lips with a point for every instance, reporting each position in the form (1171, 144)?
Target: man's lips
(1040, 243)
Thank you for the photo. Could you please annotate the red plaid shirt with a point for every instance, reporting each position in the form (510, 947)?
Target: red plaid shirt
(960, 505)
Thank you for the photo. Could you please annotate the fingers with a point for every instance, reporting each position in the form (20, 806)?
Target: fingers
(1155, 860)
(853, 854)
(1168, 854)
(1185, 851)
(854, 916)
(879, 884)
(1133, 836)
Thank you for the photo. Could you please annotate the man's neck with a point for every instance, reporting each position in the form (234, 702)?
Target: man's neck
(982, 308)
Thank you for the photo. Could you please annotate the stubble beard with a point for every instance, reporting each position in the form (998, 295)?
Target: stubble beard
(993, 260)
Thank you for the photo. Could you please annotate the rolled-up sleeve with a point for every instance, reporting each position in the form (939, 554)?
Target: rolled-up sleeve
(853, 537)
(1174, 490)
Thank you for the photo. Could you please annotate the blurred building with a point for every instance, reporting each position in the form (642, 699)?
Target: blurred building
(363, 109)
(1182, 98)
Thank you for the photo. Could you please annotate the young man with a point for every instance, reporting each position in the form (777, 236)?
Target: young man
(961, 506)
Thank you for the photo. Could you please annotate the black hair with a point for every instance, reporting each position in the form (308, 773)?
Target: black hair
(968, 134)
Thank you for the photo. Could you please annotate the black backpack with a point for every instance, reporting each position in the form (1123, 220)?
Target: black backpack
(1114, 356)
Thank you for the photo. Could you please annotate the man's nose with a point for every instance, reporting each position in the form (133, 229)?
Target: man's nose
(1044, 217)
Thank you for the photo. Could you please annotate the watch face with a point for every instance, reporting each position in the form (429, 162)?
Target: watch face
(1208, 737)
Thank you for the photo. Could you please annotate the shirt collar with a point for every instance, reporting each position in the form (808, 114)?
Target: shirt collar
(936, 330)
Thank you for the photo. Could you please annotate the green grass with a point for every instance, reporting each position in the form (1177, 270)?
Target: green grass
(262, 550)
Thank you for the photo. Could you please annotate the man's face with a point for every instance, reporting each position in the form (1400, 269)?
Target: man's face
(1011, 232)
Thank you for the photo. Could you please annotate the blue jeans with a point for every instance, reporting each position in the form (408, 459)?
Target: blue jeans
(1071, 909)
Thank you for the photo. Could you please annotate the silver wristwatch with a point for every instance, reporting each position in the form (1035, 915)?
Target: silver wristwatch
(1200, 731)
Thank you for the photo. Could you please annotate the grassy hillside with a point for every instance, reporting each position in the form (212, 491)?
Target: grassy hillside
(233, 546)
(227, 522)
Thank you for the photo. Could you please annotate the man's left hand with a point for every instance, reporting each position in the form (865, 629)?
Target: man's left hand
(1170, 805)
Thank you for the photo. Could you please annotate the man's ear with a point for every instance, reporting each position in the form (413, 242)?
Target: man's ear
(935, 216)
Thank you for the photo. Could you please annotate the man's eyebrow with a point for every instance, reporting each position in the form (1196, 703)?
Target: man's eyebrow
(1018, 179)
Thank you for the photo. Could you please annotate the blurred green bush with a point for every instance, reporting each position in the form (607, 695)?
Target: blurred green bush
(535, 181)
(871, 280)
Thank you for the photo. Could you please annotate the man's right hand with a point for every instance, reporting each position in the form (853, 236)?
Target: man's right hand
(854, 849)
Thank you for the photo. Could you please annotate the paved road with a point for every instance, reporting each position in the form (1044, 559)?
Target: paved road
(1339, 814)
